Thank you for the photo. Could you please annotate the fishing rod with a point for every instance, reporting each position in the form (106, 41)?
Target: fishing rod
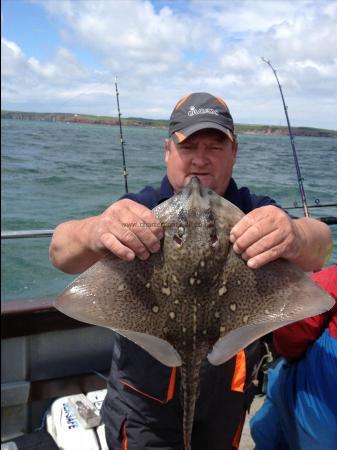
(125, 172)
(292, 141)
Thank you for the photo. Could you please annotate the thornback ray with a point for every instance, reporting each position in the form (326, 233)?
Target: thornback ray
(196, 297)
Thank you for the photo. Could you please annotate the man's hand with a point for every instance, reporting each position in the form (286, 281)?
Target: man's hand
(265, 234)
(127, 229)
(268, 233)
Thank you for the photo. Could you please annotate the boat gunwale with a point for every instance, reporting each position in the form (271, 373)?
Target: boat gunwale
(26, 306)
(33, 316)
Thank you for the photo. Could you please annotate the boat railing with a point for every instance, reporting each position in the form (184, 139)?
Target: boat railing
(26, 234)
(23, 234)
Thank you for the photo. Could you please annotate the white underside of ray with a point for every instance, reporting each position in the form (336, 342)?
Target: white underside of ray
(156, 347)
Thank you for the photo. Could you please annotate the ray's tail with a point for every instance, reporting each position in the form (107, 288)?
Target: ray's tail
(190, 391)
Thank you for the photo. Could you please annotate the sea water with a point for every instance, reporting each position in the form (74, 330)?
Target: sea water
(55, 171)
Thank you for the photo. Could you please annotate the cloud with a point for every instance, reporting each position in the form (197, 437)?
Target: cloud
(62, 69)
(161, 51)
(129, 28)
(26, 79)
(245, 16)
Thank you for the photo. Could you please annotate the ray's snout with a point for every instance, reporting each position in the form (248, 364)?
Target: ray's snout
(194, 188)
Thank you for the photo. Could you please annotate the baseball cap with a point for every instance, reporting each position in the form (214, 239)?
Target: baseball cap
(199, 111)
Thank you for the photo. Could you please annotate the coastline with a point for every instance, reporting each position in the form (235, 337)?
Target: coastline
(158, 123)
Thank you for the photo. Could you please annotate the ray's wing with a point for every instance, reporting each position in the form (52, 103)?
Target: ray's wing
(260, 301)
(122, 296)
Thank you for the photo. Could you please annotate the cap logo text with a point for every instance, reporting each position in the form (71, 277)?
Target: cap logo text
(194, 111)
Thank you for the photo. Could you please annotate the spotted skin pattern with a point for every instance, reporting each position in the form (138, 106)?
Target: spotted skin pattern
(194, 295)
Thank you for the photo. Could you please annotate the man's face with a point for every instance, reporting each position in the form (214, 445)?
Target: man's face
(207, 154)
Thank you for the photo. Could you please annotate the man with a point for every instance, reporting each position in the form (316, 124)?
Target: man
(142, 409)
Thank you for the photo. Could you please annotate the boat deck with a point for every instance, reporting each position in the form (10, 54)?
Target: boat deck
(247, 442)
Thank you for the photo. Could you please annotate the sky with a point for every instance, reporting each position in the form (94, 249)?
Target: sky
(64, 55)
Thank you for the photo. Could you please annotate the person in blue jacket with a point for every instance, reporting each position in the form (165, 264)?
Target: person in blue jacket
(300, 411)
(142, 409)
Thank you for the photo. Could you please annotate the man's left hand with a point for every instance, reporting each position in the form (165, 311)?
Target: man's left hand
(266, 234)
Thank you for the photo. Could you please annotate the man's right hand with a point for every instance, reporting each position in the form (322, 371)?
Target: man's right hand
(126, 228)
